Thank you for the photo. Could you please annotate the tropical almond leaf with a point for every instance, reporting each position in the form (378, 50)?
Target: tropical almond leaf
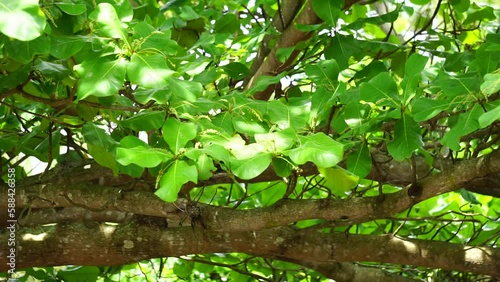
(108, 22)
(359, 161)
(21, 19)
(320, 149)
(381, 90)
(149, 70)
(329, 11)
(177, 174)
(145, 121)
(251, 167)
(100, 78)
(177, 133)
(407, 138)
(142, 156)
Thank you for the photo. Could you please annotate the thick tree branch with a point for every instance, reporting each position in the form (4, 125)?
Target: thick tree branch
(343, 211)
(101, 244)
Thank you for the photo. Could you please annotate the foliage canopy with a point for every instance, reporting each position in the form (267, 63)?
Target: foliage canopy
(302, 140)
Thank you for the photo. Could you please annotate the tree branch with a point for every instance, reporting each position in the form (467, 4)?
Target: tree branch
(100, 244)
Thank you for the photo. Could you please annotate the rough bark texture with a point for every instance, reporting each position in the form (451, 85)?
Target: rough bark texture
(150, 228)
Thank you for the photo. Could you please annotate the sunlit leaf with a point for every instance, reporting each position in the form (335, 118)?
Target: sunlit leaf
(177, 133)
(177, 174)
(319, 149)
(21, 19)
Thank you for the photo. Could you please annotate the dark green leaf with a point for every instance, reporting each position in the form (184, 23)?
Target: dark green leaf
(407, 138)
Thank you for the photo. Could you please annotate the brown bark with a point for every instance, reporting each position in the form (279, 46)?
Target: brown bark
(101, 244)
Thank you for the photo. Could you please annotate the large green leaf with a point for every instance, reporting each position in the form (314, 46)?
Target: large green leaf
(100, 145)
(95, 135)
(452, 86)
(21, 19)
(407, 138)
(108, 23)
(142, 156)
(205, 166)
(177, 174)
(381, 90)
(320, 149)
(63, 47)
(278, 141)
(251, 167)
(339, 180)
(359, 161)
(185, 90)
(100, 77)
(413, 69)
(489, 117)
(145, 121)
(24, 51)
(342, 48)
(177, 133)
(72, 8)
(329, 11)
(149, 70)
(425, 108)
(467, 123)
(324, 73)
(491, 83)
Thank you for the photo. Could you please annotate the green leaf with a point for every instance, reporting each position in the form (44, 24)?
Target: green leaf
(185, 90)
(467, 123)
(452, 86)
(381, 90)
(142, 156)
(491, 83)
(104, 157)
(108, 22)
(329, 11)
(63, 47)
(72, 8)
(145, 121)
(320, 149)
(101, 77)
(177, 174)
(251, 167)
(489, 117)
(95, 135)
(236, 70)
(101, 146)
(342, 48)
(228, 23)
(324, 73)
(21, 19)
(249, 124)
(182, 268)
(149, 70)
(205, 165)
(413, 69)
(359, 161)
(485, 13)
(24, 51)
(288, 115)
(177, 133)
(407, 138)
(52, 70)
(425, 108)
(79, 274)
(282, 167)
(279, 141)
(339, 180)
